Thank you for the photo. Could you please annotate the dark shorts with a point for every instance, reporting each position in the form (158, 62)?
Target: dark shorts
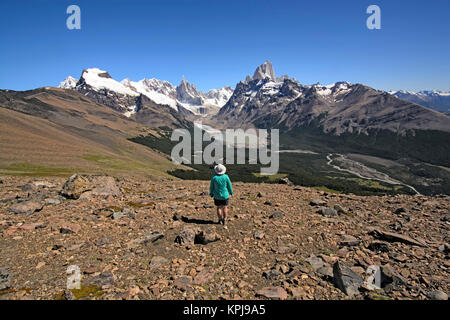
(221, 202)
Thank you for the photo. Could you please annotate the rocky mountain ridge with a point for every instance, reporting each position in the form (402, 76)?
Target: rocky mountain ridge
(268, 102)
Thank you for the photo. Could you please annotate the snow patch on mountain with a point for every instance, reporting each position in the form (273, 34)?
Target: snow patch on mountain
(68, 83)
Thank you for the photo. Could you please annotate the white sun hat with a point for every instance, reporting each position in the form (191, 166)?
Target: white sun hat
(220, 169)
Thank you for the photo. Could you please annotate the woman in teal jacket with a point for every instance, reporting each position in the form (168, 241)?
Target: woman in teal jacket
(220, 188)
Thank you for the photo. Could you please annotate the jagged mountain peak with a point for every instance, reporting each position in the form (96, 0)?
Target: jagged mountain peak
(264, 71)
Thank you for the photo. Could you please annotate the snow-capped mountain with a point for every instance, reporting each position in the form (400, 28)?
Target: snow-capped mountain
(265, 101)
(121, 96)
(434, 99)
(68, 83)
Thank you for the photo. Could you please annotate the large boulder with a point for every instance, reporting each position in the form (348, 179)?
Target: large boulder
(99, 185)
(346, 279)
(26, 207)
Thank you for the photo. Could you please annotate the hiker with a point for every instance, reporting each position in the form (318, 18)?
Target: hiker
(220, 189)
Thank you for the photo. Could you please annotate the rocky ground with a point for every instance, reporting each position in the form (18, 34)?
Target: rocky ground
(132, 238)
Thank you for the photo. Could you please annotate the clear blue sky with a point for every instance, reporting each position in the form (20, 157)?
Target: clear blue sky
(216, 43)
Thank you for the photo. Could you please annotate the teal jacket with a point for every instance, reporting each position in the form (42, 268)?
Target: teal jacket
(220, 187)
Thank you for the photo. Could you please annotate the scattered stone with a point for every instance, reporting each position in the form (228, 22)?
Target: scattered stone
(186, 236)
(437, 295)
(390, 277)
(68, 228)
(339, 209)
(32, 226)
(271, 274)
(258, 235)
(118, 215)
(183, 283)
(276, 215)
(50, 201)
(203, 277)
(205, 237)
(346, 279)
(316, 262)
(157, 261)
(103, 279)
(268, 203)
(400, 211)
(373, 280)
(99, 185)
(261, 194)
(275, 293)
(326, 272)
(26, 207)
(328, 212)
(317, 202)
(348, 240)
(146, 237)
(394, 237)
(378, 246)
(5, 278)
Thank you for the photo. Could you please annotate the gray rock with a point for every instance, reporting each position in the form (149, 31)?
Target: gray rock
(346, 279)
(318, 202)
(99, 185)
(184, 283)
(258, 235)
(205, 237)
(316, 262)
(349, 240)
(328, 212)
(271, 274)
(373, 281)
(339, 209)
(102, 279)
(186, 236)
(146, 237)
(157, 261)
(276, 215)
(378, 246)
(390, 277)
(49, 201)
(261, 194)
(326, 272)
(437, 295)
(5, 278)
(26, 207)
(118, 215)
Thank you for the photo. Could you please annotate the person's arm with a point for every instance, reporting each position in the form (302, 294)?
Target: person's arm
(211, 188)
(230, 189)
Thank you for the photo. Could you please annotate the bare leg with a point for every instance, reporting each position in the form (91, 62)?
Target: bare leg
(219, 213)
(225, 211)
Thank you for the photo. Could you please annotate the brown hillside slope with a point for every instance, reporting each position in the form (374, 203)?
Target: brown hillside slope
(57, 131)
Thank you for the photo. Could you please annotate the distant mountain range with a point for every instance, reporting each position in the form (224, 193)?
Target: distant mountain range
(68, 125)
(263, 100)
(121, 96)
(435, 99)
(266, 101)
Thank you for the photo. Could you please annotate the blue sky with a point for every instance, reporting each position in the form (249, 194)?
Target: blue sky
(217, 43)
